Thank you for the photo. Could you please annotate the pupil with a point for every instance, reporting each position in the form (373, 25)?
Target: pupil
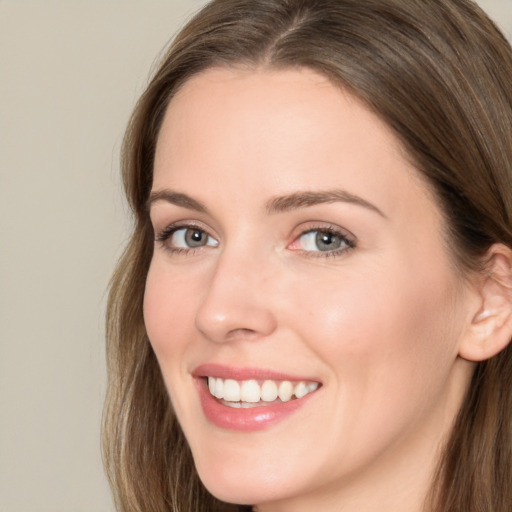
(327, 241)
(194, 238)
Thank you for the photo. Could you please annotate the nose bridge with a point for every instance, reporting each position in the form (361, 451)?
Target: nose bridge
(236, 302)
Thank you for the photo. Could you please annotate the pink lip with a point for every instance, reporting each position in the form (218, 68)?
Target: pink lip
(228, 372)
(244, 420)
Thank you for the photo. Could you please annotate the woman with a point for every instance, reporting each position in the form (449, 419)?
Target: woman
(315, 307)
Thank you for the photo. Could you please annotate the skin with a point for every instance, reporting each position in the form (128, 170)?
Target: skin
(379, 324)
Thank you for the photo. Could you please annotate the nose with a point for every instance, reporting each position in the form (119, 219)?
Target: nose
(236, 303)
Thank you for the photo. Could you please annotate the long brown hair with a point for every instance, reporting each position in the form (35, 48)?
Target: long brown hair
(439, 73)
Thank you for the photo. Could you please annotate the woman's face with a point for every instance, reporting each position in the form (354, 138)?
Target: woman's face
(298, 254)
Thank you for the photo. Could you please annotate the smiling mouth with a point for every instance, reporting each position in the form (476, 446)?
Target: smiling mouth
(253, 393)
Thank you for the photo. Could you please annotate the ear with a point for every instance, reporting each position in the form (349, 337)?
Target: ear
(491, 326)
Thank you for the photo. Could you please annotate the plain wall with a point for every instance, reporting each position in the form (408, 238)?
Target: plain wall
(70, 73)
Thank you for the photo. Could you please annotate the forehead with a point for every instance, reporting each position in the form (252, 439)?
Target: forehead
(269, 99)
(273, 131)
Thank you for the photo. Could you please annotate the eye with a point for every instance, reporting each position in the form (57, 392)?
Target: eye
(184, 238)
(329, 241)
(189, 238)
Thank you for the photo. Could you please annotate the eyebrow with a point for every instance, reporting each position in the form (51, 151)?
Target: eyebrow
(306, 199)
(275, 205)
(177, 199)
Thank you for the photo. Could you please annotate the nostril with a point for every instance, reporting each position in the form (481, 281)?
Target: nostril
(242, 333)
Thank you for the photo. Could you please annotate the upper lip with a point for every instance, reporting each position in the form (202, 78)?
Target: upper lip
(245, 373)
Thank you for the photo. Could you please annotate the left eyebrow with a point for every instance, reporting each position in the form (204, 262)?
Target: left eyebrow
(306, 199)
(176, 198)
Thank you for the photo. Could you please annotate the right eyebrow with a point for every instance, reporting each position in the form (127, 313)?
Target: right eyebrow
(176, 198)
(311, 198)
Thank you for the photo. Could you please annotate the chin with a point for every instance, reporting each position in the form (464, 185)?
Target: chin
(246, 486)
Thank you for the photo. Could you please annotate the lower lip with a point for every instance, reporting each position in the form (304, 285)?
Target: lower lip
(245, 420)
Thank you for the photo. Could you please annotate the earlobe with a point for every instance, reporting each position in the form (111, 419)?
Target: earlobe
(491, 326)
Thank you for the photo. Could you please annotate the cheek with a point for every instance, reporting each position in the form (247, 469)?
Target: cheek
(168, 305)
(389, 344)
(382, 332)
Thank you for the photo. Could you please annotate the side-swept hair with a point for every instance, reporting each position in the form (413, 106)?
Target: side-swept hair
(439, 73)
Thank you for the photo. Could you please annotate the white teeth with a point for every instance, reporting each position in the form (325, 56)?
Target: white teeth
(301, 390)
(219, 387)
(235, 405)
(269, 391)
(285, 390)
(231, 390)
(211, 385)
(245, 393)
(250, 391)
(312, 386)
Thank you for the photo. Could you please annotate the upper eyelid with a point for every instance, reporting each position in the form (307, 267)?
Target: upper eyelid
(175, 226)
(161, 216)
(321, 226)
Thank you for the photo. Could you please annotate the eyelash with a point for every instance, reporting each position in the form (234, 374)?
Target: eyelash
(164, 235)
(349, 241)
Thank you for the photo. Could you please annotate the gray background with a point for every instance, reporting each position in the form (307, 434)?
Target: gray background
(70, 72)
